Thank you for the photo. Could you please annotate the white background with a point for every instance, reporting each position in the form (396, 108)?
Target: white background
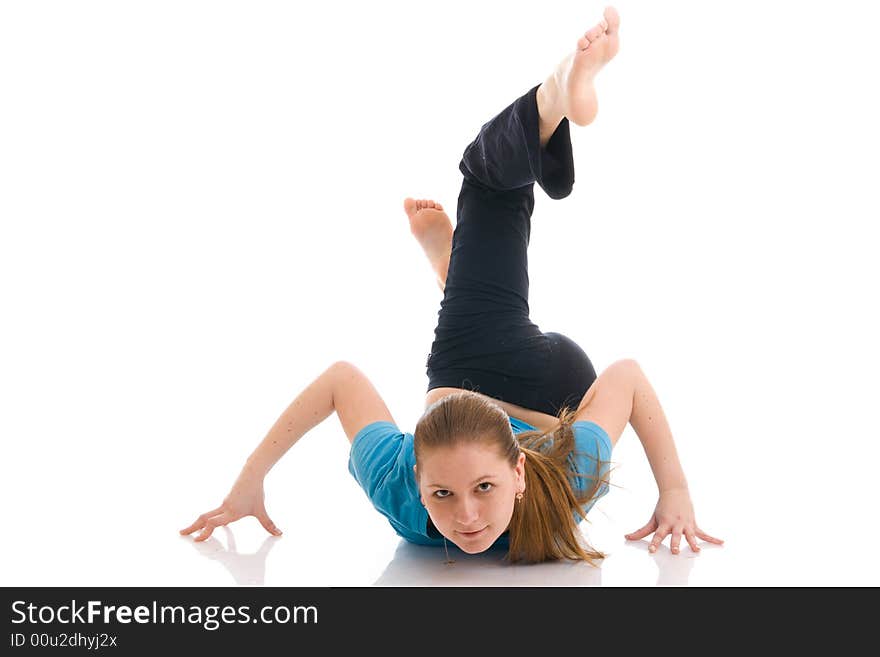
(201, 207)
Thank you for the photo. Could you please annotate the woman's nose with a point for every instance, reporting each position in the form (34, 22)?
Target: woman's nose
(467, 512)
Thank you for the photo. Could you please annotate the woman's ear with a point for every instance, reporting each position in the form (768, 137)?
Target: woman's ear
(416, 473)
(520, 470)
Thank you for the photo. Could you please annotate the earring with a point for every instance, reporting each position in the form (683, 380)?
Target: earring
(519, 496)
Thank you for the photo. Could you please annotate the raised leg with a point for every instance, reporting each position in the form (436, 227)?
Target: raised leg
(568, 92)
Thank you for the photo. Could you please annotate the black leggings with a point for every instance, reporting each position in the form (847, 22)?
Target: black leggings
(484, 340)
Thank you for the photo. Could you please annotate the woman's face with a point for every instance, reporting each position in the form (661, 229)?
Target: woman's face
(469, 492)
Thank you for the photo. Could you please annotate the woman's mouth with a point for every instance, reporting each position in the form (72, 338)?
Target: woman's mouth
(474, 534)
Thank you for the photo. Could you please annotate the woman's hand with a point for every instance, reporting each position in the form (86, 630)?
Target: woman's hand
(674, 514)
(245, 499)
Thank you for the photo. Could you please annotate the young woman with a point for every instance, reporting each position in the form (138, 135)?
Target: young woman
(514, 446)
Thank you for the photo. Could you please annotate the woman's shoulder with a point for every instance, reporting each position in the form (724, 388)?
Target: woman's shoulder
(591, 445)
(588, 430)
(376, 431)
(519, 426)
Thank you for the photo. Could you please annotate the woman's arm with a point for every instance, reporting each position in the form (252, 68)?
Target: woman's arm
(622, 394)
(343, 388)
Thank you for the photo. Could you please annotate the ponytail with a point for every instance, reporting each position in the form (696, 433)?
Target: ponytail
(543, 526)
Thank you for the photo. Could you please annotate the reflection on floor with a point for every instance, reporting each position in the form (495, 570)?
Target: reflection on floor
(415, 565)
(244, 568)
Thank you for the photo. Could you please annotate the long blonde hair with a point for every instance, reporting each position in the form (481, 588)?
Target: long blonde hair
(543, 527)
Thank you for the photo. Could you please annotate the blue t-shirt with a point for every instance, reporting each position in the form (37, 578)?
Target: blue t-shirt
(382, 459)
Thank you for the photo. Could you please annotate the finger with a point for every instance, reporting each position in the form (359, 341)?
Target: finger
(268, 524)
(190, 529)
(200, 521)
(706, 537)
(211, 524)
(644, 531)
(659, 535)
(675, 541)
(692, 540)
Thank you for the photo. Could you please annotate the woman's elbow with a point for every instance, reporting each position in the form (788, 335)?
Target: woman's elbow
(628, 365)
(342, 366)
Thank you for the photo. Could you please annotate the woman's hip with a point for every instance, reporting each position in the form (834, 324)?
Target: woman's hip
(540, 371)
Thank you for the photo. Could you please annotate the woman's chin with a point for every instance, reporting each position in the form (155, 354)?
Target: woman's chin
(476, 545)
(472, 549)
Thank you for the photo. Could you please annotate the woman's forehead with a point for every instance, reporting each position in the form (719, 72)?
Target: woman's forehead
(462, 461)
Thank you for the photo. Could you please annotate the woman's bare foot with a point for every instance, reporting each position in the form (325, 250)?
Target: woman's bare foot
(570, 88)
(431, 226)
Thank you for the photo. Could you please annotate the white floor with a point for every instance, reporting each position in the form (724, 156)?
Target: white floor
(105, 529)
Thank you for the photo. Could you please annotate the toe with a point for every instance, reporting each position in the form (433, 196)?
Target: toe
(612, 18)
(595, 32)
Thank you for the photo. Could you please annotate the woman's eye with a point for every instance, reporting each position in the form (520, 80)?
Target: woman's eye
(484, 487)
